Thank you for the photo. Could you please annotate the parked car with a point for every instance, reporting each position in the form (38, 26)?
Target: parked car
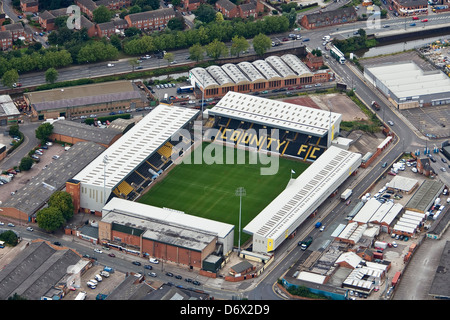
(11, 225)
(136, 263)
(152, 274)
(147, 266)
(153, 260)
(98, 250)
(29, 229)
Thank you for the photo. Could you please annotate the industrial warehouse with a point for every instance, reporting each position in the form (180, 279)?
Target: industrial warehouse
(85, 100)
(272, 73)
(245, 120)
(407, 86)
(164, 233)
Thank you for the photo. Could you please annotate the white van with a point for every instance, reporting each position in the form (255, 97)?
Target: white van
(91, 285)
(104, 273)
(93, 281)
(98, 278)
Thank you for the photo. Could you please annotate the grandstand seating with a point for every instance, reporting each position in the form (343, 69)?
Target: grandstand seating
(294, 141)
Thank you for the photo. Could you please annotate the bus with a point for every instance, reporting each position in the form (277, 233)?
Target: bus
(337, 54)
(186, 89)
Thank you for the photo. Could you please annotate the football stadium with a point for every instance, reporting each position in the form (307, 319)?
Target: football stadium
(148, 166)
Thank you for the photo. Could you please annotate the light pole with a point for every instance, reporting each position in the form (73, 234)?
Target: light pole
(105, 162)
(240, 192)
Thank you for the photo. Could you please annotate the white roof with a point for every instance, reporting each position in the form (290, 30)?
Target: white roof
(408, 80)
(250, 71)
(136, 145)
(203, 78)
(265, 69)
(392, 214)
(219, 75)
(296, 64)
(234, 73)
(275, 113)
(280, 66)
(311, 277)
(7, 106)
(367, 211)
(402, 183)
(136, 209)
(301, 197)
(382, 211)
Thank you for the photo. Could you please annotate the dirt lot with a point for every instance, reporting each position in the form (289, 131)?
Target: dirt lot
(106, 286)
(338, 103)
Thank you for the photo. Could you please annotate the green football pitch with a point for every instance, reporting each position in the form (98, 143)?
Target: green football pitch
(209, 191)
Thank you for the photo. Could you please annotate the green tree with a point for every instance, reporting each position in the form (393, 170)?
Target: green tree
(102, 14)
(44, 131)
(9, 237)
(50, 219)
(169, 57)
(196, 52)
(216, 49)
(14, 130)
(261, 43)
(205, 13)
(176, 24)
(10, 77)
(51, 75)
(63, 201)
(239, 44)
(26, 163)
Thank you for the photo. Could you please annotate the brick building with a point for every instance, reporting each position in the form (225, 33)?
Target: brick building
(5, 40)
(329, 18)
(191, 5)
(245, 10)
(17, 31)
(29, 6)
(87, 7)
(313, 62)
(410, 7)
(150, 20)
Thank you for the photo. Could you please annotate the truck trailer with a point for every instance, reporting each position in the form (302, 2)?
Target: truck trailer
(305, 243)
(346, 194)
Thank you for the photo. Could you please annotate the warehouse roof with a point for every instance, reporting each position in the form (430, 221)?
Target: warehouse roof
(300, 198)
(425, 195)
(280, 66)
(125, 210)
(85, 132)
(409, 80)
(33, 196)
(45, 267)
(7, 106)
(83, 95)
(136, 145)
(276, 114)
(250, 71)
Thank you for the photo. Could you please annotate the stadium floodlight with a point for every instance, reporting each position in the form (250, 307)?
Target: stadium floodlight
(240, 192)
(105, 162)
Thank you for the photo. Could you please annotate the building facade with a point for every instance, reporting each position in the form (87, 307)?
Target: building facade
(150, 20)
(410, 7)
(329, 18)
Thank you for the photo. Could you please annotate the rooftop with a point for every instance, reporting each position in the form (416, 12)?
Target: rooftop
(406, 79)
(7, 106)
(136, 145)
(276, 114)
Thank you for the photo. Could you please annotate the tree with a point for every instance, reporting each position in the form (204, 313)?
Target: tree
(50, 219)
(102, 14)
(239, 44)
(205, 13)
(169, 57)
(10, 77)
(14, 130)
(9, 237)
(51, 75)
(26, 163)
(176, 24)
(62, 200)
(196, 52)
(261, 43)
(216, 49)
(44, 131)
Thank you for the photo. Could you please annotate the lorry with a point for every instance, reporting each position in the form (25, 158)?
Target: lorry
(375, 105)
(380, 245)
(81, 295)
(346, 194)
(305, 243)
